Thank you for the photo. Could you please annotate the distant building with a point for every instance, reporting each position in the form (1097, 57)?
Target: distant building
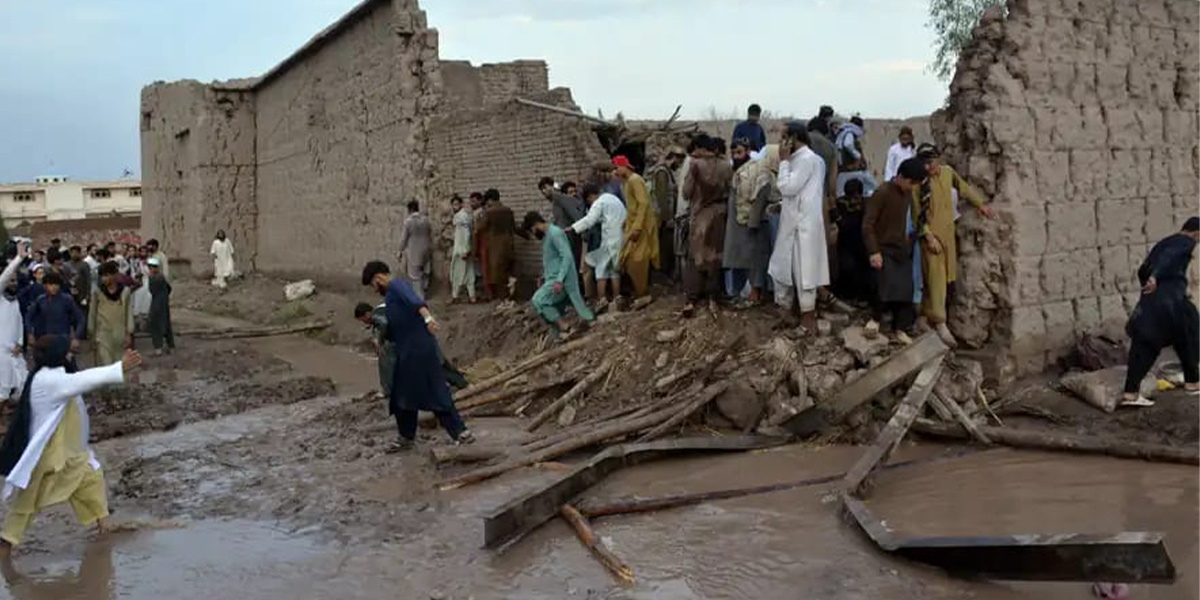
(56, 198)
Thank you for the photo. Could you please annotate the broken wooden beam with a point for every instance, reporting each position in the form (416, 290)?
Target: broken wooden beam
(564, 111)
(527, 365)
(1065, 442)
(958, 414)
(701, 400)
(595, 545)
(514, 392)
(572, 394)
(861, 390)
(529, 511)
(1130, 557)
(906, 411)
(464, 454)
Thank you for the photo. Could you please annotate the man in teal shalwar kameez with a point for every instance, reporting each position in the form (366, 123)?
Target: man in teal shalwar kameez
(560, 284)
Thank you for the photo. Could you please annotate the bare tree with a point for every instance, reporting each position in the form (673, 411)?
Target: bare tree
(952, 22)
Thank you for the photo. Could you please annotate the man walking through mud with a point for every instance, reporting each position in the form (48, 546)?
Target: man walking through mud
(418, 381)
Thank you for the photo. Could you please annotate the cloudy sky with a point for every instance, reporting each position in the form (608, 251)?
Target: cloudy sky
(71, 71)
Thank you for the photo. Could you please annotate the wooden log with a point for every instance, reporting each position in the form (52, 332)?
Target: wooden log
(572, 394)
(908, 410)
(957, 414)
(612, 417)
(527, 365)
(530, 510)
(595, 545)
(514, 392)
(248, 332)
(1065, 442)
(702, 371)
(463, 454)
(707, 395)
(861, 390)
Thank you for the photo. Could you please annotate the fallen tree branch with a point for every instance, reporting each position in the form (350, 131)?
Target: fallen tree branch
(514, 392)
(595, 545)
(1039, 440)
(702, 371)
(707, 395)
(572, 394)
(528, 365)
(956, 411)
(463, 454)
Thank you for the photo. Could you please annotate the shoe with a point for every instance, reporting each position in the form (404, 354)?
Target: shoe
(465, 438)
(871, 329)
(944, 333)
(688, 311)
(903, 338)
(1140, 402)
(399, 445)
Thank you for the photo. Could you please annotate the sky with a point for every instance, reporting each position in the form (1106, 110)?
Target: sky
(71, 71)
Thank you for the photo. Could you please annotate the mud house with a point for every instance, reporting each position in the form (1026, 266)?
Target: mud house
(1079, 118)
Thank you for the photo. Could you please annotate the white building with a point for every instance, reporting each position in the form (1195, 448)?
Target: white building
(55, 198)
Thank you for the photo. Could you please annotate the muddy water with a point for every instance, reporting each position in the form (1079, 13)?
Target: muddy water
(354, 373)
(785, 545)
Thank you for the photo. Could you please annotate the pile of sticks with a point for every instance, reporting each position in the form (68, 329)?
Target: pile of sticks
(648, 420)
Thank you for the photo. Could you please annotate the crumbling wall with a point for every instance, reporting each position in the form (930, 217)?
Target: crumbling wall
(509, 147)
(198, 171)
(1079, 119)
(467, 86)
(341, 143)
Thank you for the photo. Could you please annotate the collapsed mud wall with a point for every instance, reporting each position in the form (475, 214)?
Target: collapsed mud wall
(1079, 119)
(198, 169)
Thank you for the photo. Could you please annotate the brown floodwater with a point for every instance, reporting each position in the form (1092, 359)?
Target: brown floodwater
(790, 544)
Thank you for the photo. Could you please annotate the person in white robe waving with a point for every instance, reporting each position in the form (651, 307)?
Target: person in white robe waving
(12, 329)
(799, 263)
(45, 456)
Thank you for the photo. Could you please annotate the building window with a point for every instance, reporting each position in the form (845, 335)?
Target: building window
(135, 192)
(23, 197)
(101, 194)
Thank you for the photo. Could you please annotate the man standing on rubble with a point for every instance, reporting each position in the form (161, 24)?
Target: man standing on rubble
(799, 263)
(751, 130)
(890, 249)
(560, 282)
(418, 383)
(661, 181)
(707, 192)
(497, 228)
(608, 213)
(1164, 316)
(416, 248)
(747, 234)
(933, 204)
(462, 266)
(566, 209)
(639, 250)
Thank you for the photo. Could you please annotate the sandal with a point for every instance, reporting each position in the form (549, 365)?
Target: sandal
(399, 445)
(465, 438)
(1141, 401)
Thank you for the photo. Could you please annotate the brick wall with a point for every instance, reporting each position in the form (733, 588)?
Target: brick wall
(81, 232)
(508, 147)
(1080, 119)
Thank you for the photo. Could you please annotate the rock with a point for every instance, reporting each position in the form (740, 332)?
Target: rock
(741, 404)
(642, 302)
(667, 336)
(822, 383)
(567, 416)
(1101, 389)
(862, 347)
(875, 362)
(299, 289)
(663, 358)
(960, 382)
(824, 328)
(841, 361)
(854, 375)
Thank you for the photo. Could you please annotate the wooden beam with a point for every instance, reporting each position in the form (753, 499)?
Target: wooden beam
(565, 111)
(1065, 442)
(1131, 557)
(957, 414)
(525, 513)
(861, 390)
(527, 365)
(908, 410)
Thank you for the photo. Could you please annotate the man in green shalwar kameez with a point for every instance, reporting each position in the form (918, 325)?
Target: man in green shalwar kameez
(560, 285)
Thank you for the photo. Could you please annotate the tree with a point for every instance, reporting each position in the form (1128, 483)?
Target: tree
(952, 22)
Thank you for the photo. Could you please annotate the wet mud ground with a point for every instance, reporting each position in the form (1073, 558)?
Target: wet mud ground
(255, 469)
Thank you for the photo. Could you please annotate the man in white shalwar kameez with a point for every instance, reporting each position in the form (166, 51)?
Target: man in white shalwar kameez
(462, 268)
(607, 211)
(222, 253)
(45, 456)
(12, 330)
(799, 263)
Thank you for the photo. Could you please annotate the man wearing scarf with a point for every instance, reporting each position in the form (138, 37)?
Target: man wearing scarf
(747, 233)
(1164, 316)
(12, 330)
(560, 281)
(933, 203)
(639, 251)
(110, 317)
(707, 191)
(45, 455)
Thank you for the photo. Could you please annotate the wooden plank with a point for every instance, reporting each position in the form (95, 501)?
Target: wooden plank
(527, 365)
(1132, 557)
(908, 410)
(861, 390)
(1065, 442)
(521, 515)
(959, 415)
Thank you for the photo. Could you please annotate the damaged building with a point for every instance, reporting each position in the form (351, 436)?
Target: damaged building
(1079, 118)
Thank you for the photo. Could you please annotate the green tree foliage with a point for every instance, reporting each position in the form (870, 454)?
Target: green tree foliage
(952, 22)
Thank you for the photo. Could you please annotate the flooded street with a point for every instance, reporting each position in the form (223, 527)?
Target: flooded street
(296, 500)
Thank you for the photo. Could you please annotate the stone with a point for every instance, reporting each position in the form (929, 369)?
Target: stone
(855, 340)
(668, 336)
(741, 405)
(663, 358)
(299, 289)
(823, 383)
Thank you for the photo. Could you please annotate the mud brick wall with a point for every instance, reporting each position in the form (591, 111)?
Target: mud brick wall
(198, 168)
(340, 143)
(81, 232)
(1079, 118)
(509, 147)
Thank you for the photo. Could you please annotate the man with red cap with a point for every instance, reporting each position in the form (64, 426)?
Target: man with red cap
(640, 248)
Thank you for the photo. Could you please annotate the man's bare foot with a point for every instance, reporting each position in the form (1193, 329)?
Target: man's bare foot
(103, 526)
(944, 332)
